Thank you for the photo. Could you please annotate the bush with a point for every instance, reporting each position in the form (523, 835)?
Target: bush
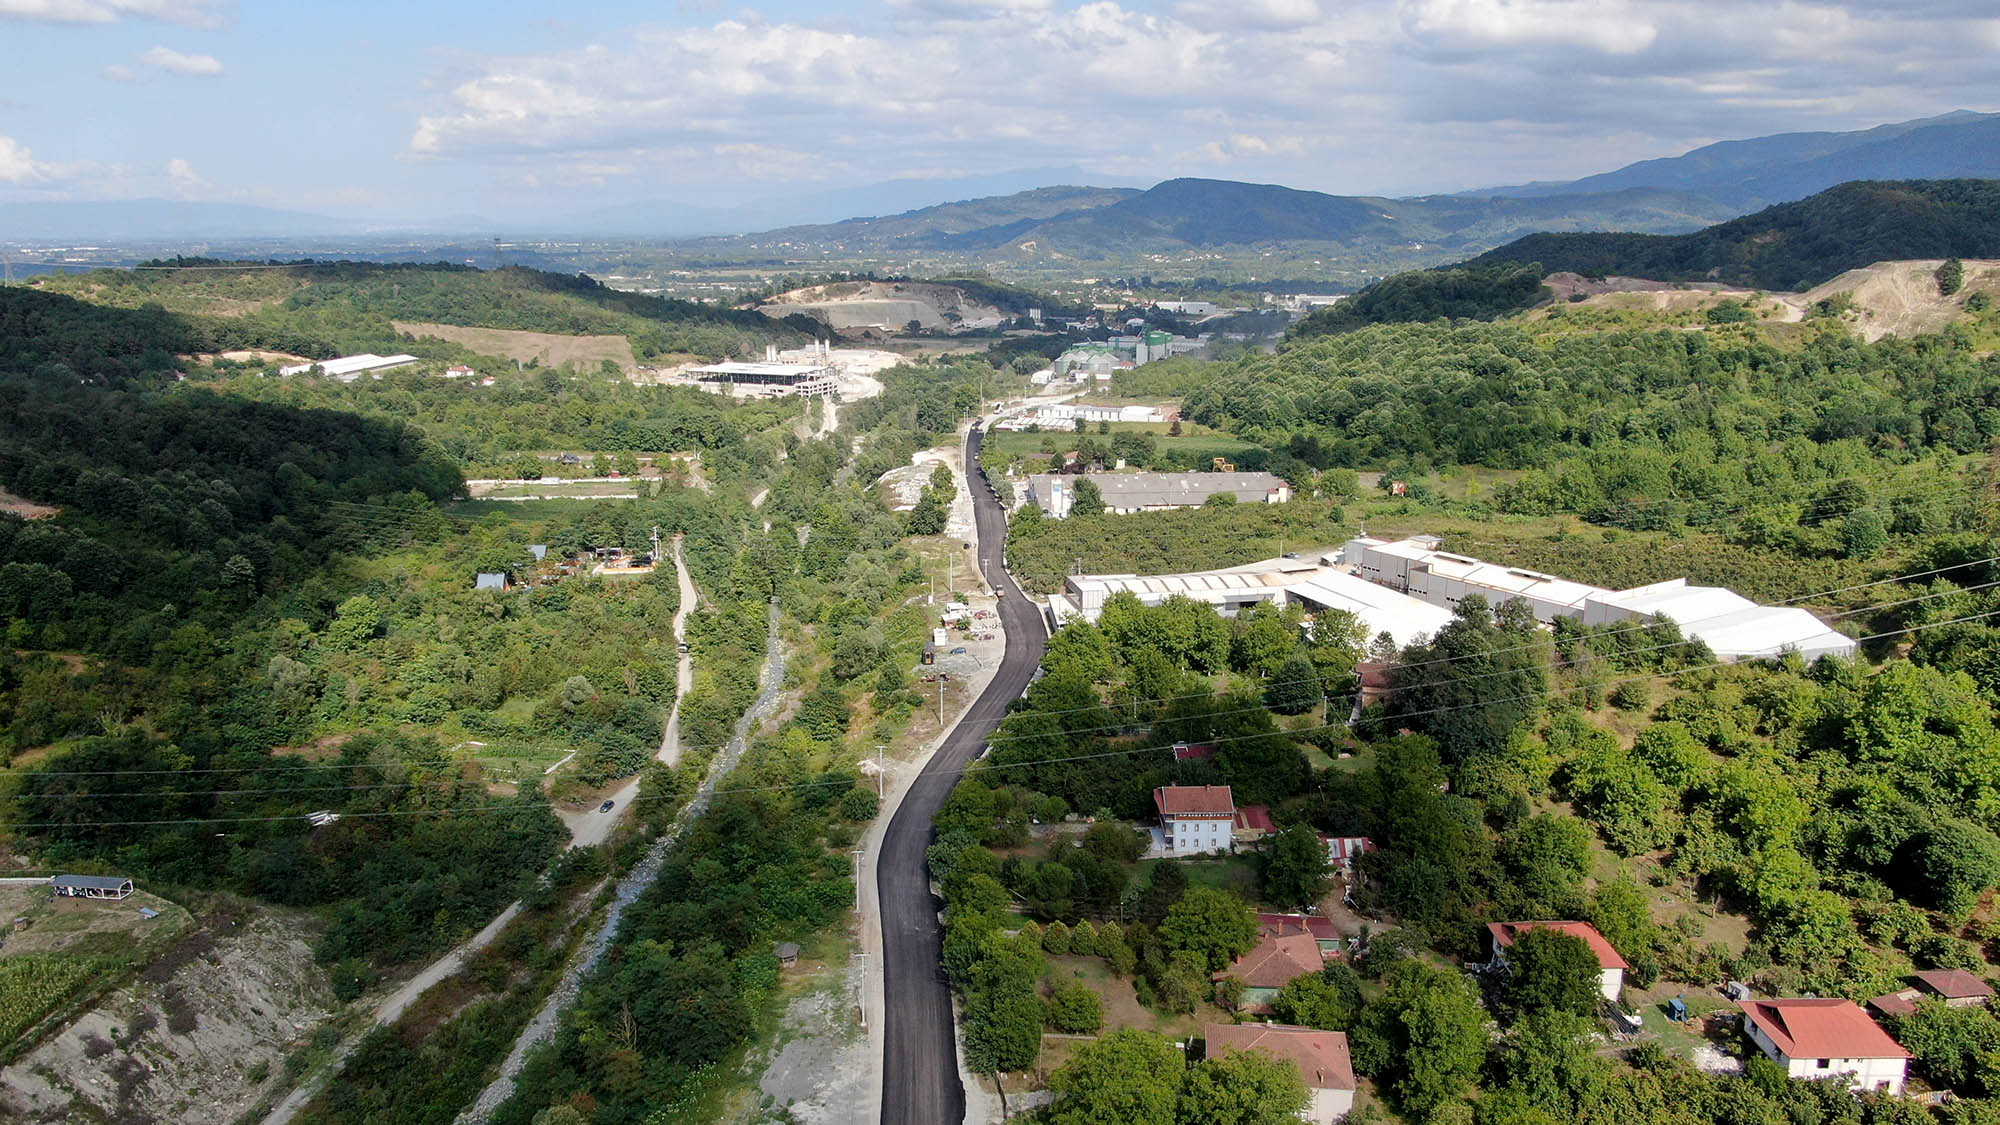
(1073, 1008)
(859, 804)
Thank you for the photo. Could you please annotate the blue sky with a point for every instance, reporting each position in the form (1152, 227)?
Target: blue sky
(428, 108)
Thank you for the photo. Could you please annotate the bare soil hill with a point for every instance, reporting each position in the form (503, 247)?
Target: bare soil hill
(546, 348)
(1902, 298)
(890, 305)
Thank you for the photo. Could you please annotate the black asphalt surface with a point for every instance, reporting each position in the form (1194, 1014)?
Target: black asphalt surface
(920, 1060)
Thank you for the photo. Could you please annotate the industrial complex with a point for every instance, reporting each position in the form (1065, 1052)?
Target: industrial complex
(1409, 589)
(1125, 493)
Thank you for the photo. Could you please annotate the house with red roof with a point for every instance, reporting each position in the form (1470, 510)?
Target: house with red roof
(1956, 987)
(1274, 962)
(1253, 823)
(1196, 819)
(1320, 1056)
(1611, 967)
(1344, 851)
(1323, 932)
(1824, 1038)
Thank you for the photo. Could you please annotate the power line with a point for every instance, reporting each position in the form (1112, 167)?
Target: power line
(1125, 752)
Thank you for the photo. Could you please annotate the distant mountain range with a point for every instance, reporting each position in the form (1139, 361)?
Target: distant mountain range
(1015, 217)
(1791, 246)
(1756, 173)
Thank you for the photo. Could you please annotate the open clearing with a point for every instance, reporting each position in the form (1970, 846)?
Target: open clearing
(86, 926)
(25, 508)
(545, 348)
(884, 305)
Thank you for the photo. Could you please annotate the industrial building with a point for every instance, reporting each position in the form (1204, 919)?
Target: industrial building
(1313, 585)
(1731, 625)
(1063, 415)
(810, 374)
(349, 368)
(1125, 493)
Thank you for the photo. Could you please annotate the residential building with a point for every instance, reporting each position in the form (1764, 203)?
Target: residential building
(1125, 493)
(1823, 1038)
(1194, 752)
(1274, 962)
(1611, 967)
(1344, 851)
(91, 886)
(488, 580)
(1195, 819)
(1956, 987)
(1324, 934)
(1253, 823)
(1321, 1057)
(460, 371)
(1732, 626)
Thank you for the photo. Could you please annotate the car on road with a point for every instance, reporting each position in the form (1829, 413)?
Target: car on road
(606, 806)
(959, 651)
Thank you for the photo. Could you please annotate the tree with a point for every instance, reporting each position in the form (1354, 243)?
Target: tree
(1958, 862)
(1549, 1058)
(1329, 999)
(1074, 1009)
(1242, 1088)
(1262, 640)
(1212, 923)
(928, 517)
(1086, 499)
(1220, 500)
(1432, 1036)
(1482, 676)
(1295, 689)
(1862, 533)
(1950, 277)
(1551, 971)
(1547, 857)
(1954, 1047)
(1129, 1076)
(1295, 867)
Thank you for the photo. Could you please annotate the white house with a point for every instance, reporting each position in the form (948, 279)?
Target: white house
(1822, 1038)
(1321, 1057)
(1611, 967)
(1196, 819)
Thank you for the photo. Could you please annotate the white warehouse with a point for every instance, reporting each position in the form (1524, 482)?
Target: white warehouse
(1731, 625)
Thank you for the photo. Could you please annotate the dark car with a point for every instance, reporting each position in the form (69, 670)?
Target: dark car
(606, 806)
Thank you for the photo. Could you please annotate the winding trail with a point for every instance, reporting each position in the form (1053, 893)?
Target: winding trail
(920, 1073)
(542, 1028)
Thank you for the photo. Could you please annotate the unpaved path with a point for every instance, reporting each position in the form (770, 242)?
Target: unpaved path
(388, 1011)
(588, 827)
(543, 1026)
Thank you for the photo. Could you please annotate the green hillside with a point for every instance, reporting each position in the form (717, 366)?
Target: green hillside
(319, 309)
(1792, 246)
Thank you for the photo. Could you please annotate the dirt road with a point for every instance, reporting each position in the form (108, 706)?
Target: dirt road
(543, 1026)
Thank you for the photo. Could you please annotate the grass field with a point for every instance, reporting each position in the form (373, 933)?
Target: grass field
(577, 490)
(508, 760)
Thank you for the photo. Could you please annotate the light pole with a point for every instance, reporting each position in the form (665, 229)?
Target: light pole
(879, 747)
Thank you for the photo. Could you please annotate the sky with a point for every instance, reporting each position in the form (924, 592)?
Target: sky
(422, 109)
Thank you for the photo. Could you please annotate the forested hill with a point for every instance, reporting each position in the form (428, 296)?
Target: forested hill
(1792, 246)
(327, 307)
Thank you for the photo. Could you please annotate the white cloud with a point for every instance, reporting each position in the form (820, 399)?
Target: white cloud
(174, 62)
(19, 166)
(119, 72)
(192, 13)
(1364, 95)
(183, 177)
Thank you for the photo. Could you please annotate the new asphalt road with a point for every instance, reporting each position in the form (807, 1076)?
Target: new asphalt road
(920, 1083)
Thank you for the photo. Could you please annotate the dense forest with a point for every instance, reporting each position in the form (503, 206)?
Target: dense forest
(1473, 292)
(1792, 246)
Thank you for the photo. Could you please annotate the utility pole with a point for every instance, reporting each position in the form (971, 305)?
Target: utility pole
(879, 747)
(941, 683)
(656, 545)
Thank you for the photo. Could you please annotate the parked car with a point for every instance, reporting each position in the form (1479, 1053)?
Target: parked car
(959, 651)
(606, 806)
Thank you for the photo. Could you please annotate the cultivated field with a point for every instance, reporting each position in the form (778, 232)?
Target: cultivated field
(546, 348)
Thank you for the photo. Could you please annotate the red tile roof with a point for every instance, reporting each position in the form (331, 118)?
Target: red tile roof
(1822, 1029)
(1504, 934)
(1321, 1056)
(1278, 925)
(1955, 984)
(1196, 752)
(1895, 1003)
(1255, 818)
(1277, 961)
(1195, 800)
